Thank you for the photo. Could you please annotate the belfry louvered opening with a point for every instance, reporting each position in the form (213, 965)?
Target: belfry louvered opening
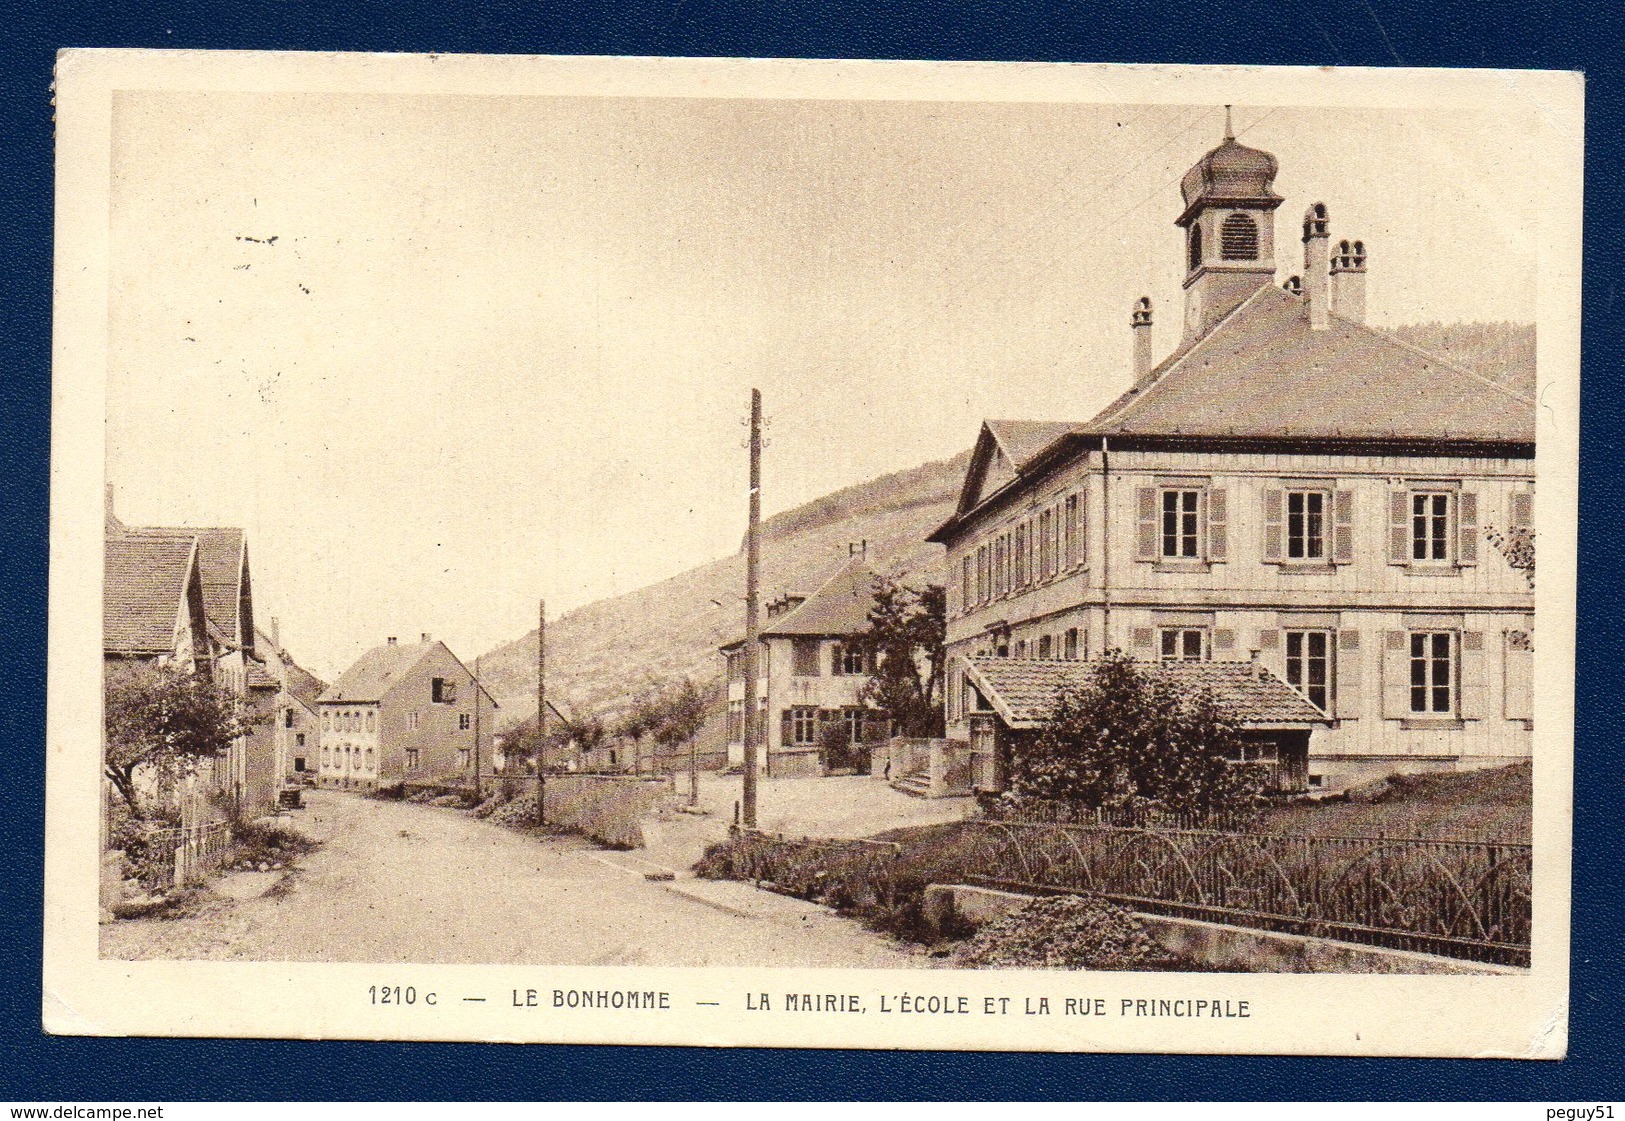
(1238, 238)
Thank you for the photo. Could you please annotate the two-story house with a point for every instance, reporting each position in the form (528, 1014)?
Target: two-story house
(402, 714)
(809, 673)
(1289, 485)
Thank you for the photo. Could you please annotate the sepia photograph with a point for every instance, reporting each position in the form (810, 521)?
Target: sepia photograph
(801, 553)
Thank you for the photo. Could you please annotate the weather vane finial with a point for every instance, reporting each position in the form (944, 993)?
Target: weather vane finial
(1229, 130)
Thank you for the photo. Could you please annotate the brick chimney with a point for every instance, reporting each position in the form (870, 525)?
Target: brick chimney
(1316, 280)
(1140, 323)
(1348, 281)
(425, 636)
(390, 640)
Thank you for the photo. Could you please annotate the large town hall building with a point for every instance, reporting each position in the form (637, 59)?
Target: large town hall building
(1290, 487)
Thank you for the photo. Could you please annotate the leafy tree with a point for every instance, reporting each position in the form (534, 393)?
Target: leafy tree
(906, 642)
(678, 713)
(166, 721)
(1131, 739)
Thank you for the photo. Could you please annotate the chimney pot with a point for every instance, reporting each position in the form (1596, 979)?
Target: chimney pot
(1316, 276)
(425, 636)
(1140, 324)
(1348, 281)
(391, 640)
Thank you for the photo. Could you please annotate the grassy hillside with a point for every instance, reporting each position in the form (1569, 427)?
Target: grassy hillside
(602, 654)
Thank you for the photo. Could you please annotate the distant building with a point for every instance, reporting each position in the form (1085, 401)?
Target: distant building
(809, 673)
(405, 714)
(298, 725)
(1288, 484)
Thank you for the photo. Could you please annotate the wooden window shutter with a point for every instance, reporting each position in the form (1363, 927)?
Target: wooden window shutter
(1218, 539)
(1269, 639)
(1518, 686)
(1082, 529)
(1396, 675)
(1348, 678)
(1274, 523)
(1224, 639)
(1475, 686)
(1399, 527)
(1343, 526)
(1144, 638)
(1523, 509)
(1467, 525)
(1145, 503)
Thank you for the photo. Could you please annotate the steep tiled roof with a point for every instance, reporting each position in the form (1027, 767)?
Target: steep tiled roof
(1263, 372)
(377, 671)
(840, 607)
(220, 560)
(1024, 691)
(144, 589)
(304, 685)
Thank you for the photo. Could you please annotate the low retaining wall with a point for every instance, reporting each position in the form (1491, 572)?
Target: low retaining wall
(607, 808)
(1221, 948)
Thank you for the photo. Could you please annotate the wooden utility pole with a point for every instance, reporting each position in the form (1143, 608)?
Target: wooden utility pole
(541, 704)
(753, 716)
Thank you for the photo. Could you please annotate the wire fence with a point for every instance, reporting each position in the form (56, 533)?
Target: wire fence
(1461, 899)
(1465, 899)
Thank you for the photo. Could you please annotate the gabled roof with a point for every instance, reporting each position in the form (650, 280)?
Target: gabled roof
(223, 568)
(144, 592)
(1024, 691)
(1262, 371)
(839, 608)
(305, 686)
(1004, 450)
(383, 667)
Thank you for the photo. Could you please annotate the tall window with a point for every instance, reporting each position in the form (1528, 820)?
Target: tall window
(1070, 646)
(1306, 524)
(462, 721)
(965, 588)
(1238, 238)
(1430, 525)
(411, 758)
(464, 758)
(1001, 570)
(443, 692)
(1433, 672)
(1182, 644)
(1308, 666)
(412, 721)
(736, 721)
(1019, 576)
(1181, 523)
(803, 725)
(1195, 245)
(1021, 648)
(851, 659)
(1046, 648)
(853, 717)
(1046, 552)
(981, 574)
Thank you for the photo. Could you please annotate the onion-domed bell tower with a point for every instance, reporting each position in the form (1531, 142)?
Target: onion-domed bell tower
(1229, 224)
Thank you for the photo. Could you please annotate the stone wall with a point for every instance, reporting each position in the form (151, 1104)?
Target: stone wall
(607, 808)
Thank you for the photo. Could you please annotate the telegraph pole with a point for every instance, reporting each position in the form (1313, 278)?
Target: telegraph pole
(541, 704)
(753, 716)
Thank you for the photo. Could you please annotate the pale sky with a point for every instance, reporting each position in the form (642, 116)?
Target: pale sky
(502, 347)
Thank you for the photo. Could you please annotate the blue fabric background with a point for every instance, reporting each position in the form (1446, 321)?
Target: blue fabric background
(1378, 33)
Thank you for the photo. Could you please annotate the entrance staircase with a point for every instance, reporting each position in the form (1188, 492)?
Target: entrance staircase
(917, 783)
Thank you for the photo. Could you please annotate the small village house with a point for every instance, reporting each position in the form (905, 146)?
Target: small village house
(1289, 485)
(405, 713)
(809, 673)
(297, 727)
(140, 565)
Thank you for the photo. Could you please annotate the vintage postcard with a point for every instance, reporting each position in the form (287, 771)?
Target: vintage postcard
(541, 552)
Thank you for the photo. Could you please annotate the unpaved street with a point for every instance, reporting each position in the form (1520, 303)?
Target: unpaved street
(399, 882)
